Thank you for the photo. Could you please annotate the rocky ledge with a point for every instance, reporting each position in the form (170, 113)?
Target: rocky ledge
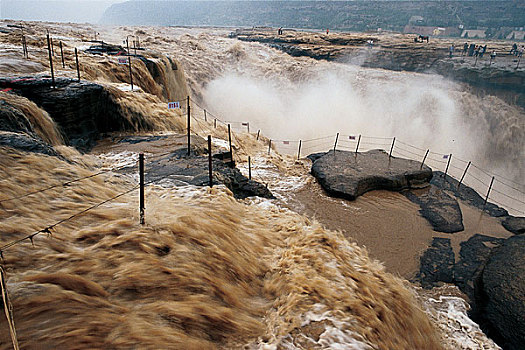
(82, 110)
(349, 175)
(180, 169)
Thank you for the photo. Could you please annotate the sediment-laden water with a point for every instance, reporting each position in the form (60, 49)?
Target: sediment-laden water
(207, 270)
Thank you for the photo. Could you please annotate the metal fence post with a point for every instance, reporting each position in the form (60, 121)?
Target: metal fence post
(141, 191)
(249, 168)
(392, 148)
(336, 138)
(424, 158)
(62, 54)
(464, 173)
(488, 192)
(210, 170)
(50, 60)
(78, 68)
(188, 125)
(299, 151)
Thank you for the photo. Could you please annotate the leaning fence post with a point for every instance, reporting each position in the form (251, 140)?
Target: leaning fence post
(188, 125)
(392, 148)
(464, 173)
(205, 118)
(299, 151)
(50, 60)
(249, 168)
(269, 146)
(230, 141)
(215, 123)
(210, 161)
(424, 158)
(248, 127)
(258, 132)
(336, 138)
(130, 72)
(62, 54)
(8, 310)
(78, 68)
(488, 192)
(141, 191)
(448, 163)
(358, 142)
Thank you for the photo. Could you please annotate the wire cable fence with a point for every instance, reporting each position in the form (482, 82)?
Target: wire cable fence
(502, 189)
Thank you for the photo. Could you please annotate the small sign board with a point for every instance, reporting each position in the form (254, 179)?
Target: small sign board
(173, 105)
(122, 60)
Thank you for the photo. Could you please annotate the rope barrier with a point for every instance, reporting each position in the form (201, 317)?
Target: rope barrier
(50, 227)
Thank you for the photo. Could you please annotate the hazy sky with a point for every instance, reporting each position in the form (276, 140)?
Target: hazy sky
(56, 10)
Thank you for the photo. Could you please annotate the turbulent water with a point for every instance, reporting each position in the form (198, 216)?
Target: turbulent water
(209, 271)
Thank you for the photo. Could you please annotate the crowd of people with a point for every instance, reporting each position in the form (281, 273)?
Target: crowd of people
(473, 50)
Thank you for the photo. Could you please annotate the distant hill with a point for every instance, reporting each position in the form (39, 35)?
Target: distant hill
(338, 15)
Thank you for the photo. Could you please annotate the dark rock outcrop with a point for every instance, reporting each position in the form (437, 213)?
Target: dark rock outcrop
(180, 170)
(514, 224)
(473, 254)
(441, 210)
(82, 110)
(503, 292)
(25, 142)
(466, 194)
(349, 175)
(437, 264)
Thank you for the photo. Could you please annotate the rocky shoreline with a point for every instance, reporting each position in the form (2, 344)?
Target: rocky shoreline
(486, 264)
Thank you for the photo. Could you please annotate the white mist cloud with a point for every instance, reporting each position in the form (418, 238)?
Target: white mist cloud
(423, 110)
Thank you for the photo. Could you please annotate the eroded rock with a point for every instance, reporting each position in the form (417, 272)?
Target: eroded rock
(503, 292)
(514, 224)
(441, 210)
(347, 175)
(436, 264)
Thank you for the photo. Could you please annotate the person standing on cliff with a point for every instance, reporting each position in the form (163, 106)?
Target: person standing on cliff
(451, 51)
(465, 48)
(514, 49)
(493, 56)
(483, 50)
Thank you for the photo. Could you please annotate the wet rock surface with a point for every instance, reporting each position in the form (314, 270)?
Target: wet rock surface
(437, 264)
(502, 292)
(491, 272)
(473, 256)
(441, 210)
(466, 194)
(25, 142)
(347, 175)
(514, 224)
(82, 110)
(180, 169)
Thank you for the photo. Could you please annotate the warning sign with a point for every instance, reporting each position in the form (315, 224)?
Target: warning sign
(173, 105)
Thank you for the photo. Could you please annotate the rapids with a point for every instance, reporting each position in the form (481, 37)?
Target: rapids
(207, 271)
